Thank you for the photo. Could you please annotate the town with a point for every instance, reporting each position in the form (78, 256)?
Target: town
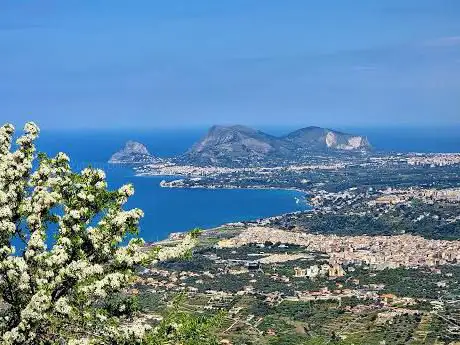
(256, 274)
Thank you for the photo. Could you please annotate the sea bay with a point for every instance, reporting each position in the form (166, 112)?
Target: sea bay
(167, 209)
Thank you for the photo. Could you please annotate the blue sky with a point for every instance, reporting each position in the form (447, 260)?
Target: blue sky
(120, 64)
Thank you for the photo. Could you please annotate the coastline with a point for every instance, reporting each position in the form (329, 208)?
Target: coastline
(218, 186)
(237, 187)
(235, 226)
(228, 187)
(174, 236)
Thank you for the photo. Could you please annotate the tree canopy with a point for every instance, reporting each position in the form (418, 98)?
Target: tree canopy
(52, 289)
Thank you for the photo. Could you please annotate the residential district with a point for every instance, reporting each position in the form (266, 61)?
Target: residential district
(375, 259)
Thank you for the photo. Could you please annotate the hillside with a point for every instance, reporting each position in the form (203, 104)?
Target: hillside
(317, 138)
(240, 145)
(133, 153)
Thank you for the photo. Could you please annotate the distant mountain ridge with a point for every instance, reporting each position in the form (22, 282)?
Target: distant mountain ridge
(317, 138)
(222, 142)
(240, 145)
(243, 146)
(133, 153)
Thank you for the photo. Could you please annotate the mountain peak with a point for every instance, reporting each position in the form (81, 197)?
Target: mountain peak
(233, 128)
(318, 138)
(235, 143)
(135, 147)
(133, 153)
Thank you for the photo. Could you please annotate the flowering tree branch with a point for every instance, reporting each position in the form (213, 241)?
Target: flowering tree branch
(53, 294)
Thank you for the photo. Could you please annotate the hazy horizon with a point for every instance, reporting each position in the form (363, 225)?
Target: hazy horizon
(262, 127)
(165, 141)
(181, 64)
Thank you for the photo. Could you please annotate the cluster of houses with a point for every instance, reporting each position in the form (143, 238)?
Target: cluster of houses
(315, 271)
(379, 252)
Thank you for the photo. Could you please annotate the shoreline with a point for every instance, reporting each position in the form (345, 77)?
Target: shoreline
(228, 224)
(236, 187)
(220, 187)
(232, 225)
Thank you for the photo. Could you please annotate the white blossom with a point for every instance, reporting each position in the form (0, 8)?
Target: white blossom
(44, 283)
(62, 306)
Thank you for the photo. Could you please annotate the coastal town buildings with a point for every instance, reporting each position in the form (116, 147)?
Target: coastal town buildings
(379, 252)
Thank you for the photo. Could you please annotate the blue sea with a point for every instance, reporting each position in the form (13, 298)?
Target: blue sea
(167, 210)
(170, 210)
